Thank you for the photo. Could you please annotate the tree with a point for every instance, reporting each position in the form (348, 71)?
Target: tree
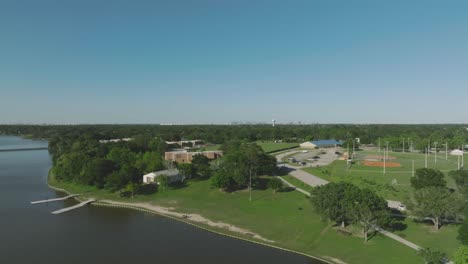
(121, 156)
(201, 165)
(461, 180)
(428, 178)
(461, 256)
(186, 170)
(437, 204)
(149, 162)
(118, 179)
(431, 257)
(96, 172)
(463, 232)
(336, 201)
(370, 211)
(132, 188)
(275, 184)
(163, 182)
(221, 179)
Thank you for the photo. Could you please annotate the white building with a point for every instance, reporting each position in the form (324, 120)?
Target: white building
(173, 176)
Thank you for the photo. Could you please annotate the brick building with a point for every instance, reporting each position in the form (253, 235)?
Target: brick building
(182, 156)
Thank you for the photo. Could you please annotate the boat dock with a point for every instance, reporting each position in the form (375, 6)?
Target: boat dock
(55, 199)
(74, 206)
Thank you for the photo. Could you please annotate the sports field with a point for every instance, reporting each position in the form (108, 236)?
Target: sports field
(395, 183)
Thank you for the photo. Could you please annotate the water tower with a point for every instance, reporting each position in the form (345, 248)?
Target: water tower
(273, 121)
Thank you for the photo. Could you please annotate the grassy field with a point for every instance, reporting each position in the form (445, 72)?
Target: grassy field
(395, 184)
(270, 146)
(291, 221)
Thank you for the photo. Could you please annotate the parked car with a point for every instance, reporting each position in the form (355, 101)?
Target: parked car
(305, 151)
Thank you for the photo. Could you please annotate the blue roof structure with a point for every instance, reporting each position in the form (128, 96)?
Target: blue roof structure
(327, 142)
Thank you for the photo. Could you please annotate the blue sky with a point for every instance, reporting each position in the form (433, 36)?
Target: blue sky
(221, 61)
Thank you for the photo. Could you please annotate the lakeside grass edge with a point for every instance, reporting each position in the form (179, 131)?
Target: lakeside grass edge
(117, 204)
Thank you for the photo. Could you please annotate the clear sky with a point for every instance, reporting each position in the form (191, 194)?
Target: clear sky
(98, 61)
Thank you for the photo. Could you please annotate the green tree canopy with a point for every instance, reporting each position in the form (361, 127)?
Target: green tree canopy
(461, 180)
(275, 184)
(463, 232)
(428, 178)
(461, 256)
(437, 204)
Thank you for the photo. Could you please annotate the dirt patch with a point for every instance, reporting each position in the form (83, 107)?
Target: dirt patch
(191, 217)
(381, 164)
(378, 157)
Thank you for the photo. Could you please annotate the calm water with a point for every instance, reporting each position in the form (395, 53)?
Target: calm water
(30, 234)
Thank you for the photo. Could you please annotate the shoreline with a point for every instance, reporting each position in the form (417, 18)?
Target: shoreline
(198, 224)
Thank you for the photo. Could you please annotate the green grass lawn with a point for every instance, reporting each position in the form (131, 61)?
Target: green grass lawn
(270, 146)
(423, 234)
(285, 217)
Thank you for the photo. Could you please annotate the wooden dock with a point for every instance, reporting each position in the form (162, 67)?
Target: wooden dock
(55, 199)
(23, 149)
(74, 206)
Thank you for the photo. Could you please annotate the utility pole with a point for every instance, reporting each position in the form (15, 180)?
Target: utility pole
(425, 158)
(446, 150)
(435, 154)
(385, 158)
(384, 163)
(353, 149)
(250, 184)
(463, 155)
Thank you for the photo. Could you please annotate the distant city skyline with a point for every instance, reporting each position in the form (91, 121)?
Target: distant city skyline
(218, 62)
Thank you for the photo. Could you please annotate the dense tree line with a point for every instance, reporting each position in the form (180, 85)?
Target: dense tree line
(397, 136)
(82, 159)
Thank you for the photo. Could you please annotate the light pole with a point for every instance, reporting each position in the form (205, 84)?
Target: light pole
(463, 155)
(385, 159)
(425, 158)
(353, 149)
(446, 150)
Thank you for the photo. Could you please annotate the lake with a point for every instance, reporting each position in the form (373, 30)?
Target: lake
(31, 234)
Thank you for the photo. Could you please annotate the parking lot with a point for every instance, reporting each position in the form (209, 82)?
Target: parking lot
(316, 157)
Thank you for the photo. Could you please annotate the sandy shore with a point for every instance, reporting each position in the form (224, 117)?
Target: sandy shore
(196, 218)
